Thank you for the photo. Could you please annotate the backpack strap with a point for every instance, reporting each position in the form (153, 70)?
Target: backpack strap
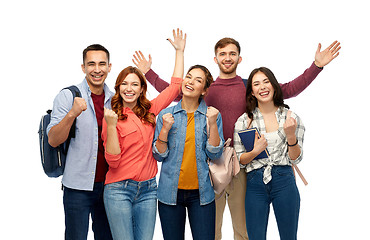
(72, 132)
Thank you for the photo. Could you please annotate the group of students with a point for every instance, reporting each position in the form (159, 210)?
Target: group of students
(111, 164)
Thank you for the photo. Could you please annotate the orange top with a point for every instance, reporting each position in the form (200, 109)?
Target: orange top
(136, 160)
(188, 172)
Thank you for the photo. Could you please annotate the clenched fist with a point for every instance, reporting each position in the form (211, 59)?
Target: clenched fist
(168, 121)
(212, 115)
(110, 117)
(290, 126)
(79, 105)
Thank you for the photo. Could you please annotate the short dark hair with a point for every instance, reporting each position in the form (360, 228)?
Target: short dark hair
(94, 47)
(226, 41)
(252, 101)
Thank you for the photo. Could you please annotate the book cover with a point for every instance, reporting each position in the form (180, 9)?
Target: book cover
(247, 136)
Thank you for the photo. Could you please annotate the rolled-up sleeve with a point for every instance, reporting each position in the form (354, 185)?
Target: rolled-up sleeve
(299, 132)
(61, 106)
(238, 145)
(156, 154)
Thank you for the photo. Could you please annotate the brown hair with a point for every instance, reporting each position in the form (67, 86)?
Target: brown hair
(252, 102)
(143, 104)
(207, 73)
(226, 41)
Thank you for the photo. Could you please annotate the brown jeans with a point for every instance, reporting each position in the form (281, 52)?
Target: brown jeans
(235, 197)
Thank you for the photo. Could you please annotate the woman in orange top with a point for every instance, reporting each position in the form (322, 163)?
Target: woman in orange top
(182, 145)
(130, 195)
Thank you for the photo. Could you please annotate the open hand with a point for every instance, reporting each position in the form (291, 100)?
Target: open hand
(324, 57)
(141, 63)
(179, 40)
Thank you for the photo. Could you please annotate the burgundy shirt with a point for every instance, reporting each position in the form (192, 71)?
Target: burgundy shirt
(228, 95)
(101, 164)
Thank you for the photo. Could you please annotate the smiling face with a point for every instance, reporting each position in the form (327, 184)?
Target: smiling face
(96, 67)
(194, 84)
(227, 59)
(130, 90)
(262, 88)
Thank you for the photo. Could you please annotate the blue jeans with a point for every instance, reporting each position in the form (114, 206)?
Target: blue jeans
(201, 217)
(131, 208)
(78, 205)
(282, 192)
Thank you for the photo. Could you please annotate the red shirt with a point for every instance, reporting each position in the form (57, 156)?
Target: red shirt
(101, 164)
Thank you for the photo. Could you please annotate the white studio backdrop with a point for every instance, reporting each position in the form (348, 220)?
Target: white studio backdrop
(42, 43)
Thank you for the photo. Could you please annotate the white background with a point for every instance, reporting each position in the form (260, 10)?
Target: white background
(41, 52)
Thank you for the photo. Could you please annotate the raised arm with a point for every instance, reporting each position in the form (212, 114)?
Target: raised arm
(322, 58)
(179, 42)
(145, 65)
(173, 90)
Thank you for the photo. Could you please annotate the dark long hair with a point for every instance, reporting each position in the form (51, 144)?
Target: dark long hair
(143, 104)
(252, 102)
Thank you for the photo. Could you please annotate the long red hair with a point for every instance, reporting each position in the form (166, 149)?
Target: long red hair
(143, 104)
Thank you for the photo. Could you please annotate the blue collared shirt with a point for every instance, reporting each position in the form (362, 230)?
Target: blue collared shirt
(172, 158)
(79, 172)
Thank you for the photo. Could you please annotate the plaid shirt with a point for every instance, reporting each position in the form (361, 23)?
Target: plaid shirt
(282, 144)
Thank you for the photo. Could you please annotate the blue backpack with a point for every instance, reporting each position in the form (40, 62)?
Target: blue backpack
(53, 159)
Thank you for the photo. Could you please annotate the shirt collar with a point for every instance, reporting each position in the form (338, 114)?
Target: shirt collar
(108, 93)
(202, 108)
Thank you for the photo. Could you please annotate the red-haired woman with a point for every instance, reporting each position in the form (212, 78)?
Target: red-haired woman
(130, 194)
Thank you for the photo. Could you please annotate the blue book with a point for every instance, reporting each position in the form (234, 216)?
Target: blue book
(247, 136)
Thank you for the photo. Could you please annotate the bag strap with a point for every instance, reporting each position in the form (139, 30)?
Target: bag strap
(294, 166)
(76, 93)
(72, 132)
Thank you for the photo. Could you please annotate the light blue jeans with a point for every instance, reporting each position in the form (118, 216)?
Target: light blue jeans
(131, 209)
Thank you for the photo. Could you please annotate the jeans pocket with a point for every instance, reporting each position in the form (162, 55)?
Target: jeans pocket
(284, 170)
(153, 185)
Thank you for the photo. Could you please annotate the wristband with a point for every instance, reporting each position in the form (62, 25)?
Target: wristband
(162, 140)
(293, 144)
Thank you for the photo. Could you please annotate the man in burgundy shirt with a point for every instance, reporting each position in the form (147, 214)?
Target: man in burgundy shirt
(227, 94)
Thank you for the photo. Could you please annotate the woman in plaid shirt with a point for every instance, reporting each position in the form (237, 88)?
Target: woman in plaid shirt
(270, 180)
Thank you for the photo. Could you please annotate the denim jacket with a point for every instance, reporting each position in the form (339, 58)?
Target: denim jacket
(172, 158)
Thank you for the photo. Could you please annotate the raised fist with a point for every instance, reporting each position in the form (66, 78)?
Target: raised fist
(110, 117)
(168, 121)
(79, 105)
